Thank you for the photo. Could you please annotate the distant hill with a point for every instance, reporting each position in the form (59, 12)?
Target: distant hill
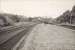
(8, 19)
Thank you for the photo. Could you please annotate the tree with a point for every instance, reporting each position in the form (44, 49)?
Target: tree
(73, 9)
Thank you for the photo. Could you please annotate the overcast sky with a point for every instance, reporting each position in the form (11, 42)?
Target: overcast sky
(50, 8)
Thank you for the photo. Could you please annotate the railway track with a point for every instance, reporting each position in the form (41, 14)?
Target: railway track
(70, 26)
(11, 35)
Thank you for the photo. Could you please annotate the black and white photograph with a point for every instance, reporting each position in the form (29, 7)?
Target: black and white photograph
(37, 24)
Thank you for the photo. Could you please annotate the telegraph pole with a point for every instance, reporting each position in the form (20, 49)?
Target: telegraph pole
(71, 19)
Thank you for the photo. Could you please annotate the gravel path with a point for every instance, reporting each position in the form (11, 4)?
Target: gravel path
(50, 37)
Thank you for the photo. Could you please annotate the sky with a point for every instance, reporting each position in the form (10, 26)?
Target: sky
(49, 8)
